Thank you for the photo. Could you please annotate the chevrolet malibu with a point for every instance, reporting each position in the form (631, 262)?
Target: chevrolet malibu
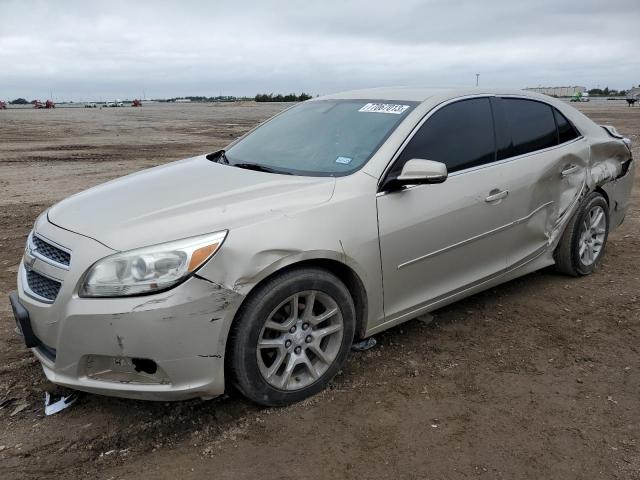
(258, 266)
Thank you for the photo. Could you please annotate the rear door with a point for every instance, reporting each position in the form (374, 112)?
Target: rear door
(546, 164)
(436, 240)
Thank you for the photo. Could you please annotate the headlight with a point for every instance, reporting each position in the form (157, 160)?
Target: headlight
(149, 269)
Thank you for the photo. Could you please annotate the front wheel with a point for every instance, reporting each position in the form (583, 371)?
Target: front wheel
(582, 245)
(291, 337)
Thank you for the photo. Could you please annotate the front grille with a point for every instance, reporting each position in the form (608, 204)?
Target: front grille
(51, 252)
(43, 286)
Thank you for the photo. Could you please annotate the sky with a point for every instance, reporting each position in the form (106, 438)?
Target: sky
(99, 50)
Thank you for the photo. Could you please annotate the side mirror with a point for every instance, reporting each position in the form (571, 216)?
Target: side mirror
(418, 172)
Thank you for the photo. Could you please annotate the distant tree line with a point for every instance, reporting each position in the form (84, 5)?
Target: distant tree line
(290, 97)
(606, 92)
(22, 101)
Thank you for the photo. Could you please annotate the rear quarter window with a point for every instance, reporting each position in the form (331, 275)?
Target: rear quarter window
(532, 125)
(566, 131)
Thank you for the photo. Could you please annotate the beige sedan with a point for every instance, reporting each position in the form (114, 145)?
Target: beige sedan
(260, 265)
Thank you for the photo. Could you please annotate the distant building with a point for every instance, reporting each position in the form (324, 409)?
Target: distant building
(183, 100)
(559, 91)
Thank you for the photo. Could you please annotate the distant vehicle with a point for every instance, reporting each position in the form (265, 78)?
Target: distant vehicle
(90, 105)
(630, 101)
(3, 105)
(117, 103)
(136, 103)
(580, 97)
(247, 267)
(48, 104)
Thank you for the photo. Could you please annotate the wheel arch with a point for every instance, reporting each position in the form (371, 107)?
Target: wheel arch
(602, 192)
(344, 272)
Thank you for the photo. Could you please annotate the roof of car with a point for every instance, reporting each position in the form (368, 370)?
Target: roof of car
(420, 94)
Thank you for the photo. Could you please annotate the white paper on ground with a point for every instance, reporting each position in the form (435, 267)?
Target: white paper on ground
(64, 402)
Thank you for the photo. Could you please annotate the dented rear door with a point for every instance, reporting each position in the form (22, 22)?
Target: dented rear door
(546, 167)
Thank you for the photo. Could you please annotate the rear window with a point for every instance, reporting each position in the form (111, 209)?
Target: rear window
(532, 125)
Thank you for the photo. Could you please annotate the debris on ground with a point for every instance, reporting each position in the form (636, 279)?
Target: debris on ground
(426, 318)
(19, 408)
(364, 345)
(64, 402)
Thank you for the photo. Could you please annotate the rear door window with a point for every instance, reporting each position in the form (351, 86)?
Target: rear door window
(460, 135)
(566, 131)
(532, 125)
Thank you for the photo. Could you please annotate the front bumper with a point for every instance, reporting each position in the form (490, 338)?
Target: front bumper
(167, 346)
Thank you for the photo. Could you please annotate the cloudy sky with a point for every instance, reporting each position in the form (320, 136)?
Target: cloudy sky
(119, 49)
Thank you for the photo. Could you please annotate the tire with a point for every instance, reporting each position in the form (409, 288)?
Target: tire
(276, 316)
(572, 255)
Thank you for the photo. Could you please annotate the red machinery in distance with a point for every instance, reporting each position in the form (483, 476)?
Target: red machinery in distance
(47, 104)
(136, 103)
(3, 105)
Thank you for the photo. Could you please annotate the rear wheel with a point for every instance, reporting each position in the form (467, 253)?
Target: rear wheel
(291, 337)
(583, 243)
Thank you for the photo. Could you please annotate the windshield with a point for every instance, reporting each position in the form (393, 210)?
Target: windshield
(320, 138)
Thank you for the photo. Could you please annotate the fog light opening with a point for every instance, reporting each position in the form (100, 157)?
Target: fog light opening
(144, 365)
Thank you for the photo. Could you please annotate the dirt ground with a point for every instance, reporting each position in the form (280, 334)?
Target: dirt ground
(538, 378)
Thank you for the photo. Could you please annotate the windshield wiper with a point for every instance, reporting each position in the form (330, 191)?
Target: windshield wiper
(259, 168)
(219, 157)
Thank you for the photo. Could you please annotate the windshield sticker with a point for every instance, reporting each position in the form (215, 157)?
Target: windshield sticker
(384, 108)
(344, 160)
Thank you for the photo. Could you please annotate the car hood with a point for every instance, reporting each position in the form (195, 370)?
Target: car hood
(183, 199)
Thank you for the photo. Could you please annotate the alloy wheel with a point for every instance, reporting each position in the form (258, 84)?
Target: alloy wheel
(300, 340)
(592, 235)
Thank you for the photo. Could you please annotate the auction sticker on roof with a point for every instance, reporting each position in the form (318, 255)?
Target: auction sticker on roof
(384, 108)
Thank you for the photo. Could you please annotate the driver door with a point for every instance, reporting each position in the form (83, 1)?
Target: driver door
(441, 239)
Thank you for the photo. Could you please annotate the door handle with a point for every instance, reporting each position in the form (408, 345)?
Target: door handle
(495, 195)
(569, 170)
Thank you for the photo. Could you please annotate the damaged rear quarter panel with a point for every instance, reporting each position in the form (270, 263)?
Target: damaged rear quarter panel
(618, 190)
(606, 157)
